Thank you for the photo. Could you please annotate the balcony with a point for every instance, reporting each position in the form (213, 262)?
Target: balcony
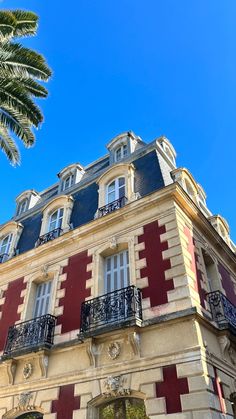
(222, 310)
(112, 206)
(51, 235)
(3, 257)
(30, 336)
(111, 311)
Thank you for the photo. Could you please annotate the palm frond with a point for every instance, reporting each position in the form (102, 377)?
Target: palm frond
(26, 23)
(30, 86)
(16, 97)
(23, 62)
(9, 147)
(7, 25)
(17, 124)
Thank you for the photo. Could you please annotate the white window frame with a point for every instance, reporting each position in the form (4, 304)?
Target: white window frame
(116, 271)
(117, 189)
(58, 220)
(22, 206)
(42, 299)
(68, 181)
(123, 152)
(8, 238)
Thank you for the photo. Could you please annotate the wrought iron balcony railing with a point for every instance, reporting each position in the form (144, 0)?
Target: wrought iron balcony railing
(3, 257)
(222, 310)
(30, 336)
(51, 235)
(112, 310)
(112, 206)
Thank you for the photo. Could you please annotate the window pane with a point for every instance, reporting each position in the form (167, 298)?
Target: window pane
(118, 154)
(117, 271)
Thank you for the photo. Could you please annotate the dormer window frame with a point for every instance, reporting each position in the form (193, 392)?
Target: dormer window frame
(25, 201)
(69, 176)
(126, 143)
(68, 181)
(22, 206)
(121, 152)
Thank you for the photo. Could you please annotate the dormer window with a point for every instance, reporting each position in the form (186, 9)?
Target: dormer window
(123, 145)
(121, 152)
(26, 200)
(70, 175)
(55, 220)
(168, 150)
(22, 206)
(68, 182)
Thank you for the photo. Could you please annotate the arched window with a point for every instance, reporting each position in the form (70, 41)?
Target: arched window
(5, 245)
(115, 190)
(123, 408)
(55, 219)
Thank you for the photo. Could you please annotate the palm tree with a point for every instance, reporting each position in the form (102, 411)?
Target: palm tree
(21, 70)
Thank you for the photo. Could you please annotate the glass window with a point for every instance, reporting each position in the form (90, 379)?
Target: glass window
(115, 190)
(68, 182)
(121, 152)
(5, 245)
(116, 271)
(55, 220)
(22, 207)
(42, 299)
(123, 409)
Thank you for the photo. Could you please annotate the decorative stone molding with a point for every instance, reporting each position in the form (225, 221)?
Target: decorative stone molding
(134, 340)
(114, 350)
(24, 400)
(27, 370)
(227, 349)
(113, 243)
(114, 387)
(43, 363)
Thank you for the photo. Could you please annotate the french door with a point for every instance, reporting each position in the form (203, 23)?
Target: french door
(116, 272)
(42, 299)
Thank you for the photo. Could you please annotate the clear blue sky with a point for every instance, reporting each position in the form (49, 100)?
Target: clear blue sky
(155, 67)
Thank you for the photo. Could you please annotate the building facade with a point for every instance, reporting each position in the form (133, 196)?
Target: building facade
(118, 294)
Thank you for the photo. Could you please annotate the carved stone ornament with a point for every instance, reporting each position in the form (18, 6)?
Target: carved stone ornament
(114, 387)
(27, 370)
(227, 349)
(113, 243)
(24, 400)
(114, 350)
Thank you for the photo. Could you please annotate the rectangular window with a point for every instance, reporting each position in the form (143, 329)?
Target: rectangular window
(42, 299)
(116, 271)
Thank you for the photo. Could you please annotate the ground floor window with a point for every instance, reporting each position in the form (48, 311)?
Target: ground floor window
(123, 409)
